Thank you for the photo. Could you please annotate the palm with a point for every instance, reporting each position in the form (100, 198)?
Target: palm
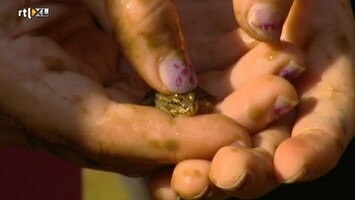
(69, 61)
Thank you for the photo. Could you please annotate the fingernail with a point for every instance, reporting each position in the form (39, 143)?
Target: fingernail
(203, 193)
(283, 105)
(301, 175)
(165, 193)
(247, 182)
(266, 20)
(177, 74)
(291, 71)
(242, 182)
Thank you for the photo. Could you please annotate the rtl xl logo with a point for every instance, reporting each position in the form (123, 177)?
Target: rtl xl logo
(34, 12)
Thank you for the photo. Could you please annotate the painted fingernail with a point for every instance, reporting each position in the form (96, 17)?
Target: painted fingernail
(283, 105)
(291, 71)
(266, 20)
(177, 74)
(301, 175)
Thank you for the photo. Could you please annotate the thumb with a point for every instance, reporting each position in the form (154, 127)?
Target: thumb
(151, 38)
(262, 19)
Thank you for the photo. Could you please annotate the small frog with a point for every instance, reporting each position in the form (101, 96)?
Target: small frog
(195, 102)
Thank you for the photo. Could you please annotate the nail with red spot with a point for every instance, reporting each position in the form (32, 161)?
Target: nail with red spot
(283, 105)
(291, 71)
(266, 21)
(177, 74)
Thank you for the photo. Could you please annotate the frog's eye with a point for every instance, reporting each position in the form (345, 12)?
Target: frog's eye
(174, 101)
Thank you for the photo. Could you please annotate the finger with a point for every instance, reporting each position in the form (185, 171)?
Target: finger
(159, 186)
(206, 54)
(14, 135)
(302, 15)
(259, 102)
(247, 173)
(190, 181)
(325, 125)
(283, 59)
(150, 35)
(262, 19)
(210, 34)
(79, 113)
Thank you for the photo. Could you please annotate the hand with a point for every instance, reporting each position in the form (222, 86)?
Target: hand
(65, 89)
(322, 128)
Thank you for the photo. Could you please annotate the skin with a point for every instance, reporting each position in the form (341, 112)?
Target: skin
(91, 101)
(88, 94)
(68, 71)
(302, 146)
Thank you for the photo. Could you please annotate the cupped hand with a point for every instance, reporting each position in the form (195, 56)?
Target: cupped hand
(66, 89)
(320, 128)
(324, 125)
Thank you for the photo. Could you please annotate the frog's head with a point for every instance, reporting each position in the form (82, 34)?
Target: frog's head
(178, 104)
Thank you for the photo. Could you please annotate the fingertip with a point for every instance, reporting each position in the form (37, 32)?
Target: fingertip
(259, 102)
(227, 169)
(177, 74)
(306, 157)
(243, 172)
(289, 162)
(263, 20)
(190, 179)
(282, 59)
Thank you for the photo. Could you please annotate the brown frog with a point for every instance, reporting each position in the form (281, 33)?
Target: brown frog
(195, 102)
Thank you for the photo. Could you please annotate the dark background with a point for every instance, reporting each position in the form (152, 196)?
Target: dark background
(29, 175)
(338, 184)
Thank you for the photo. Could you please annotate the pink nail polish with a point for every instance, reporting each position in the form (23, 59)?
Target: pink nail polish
(291, 71)
(266, 20)
(177, 74)
(283, 105)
